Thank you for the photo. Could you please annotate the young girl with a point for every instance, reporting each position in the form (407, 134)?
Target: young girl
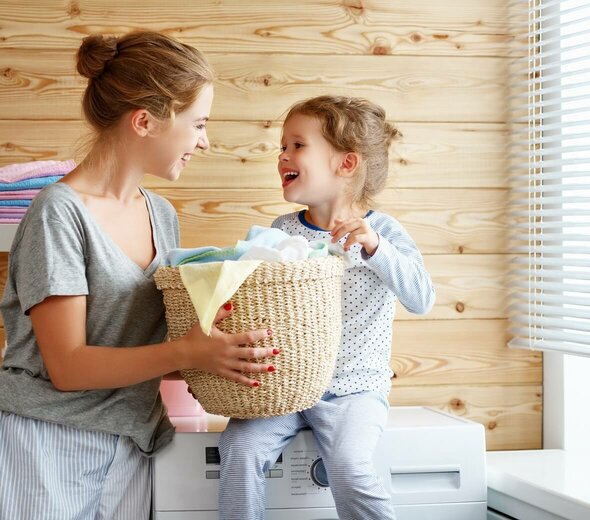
(79, 401)
(334, 160)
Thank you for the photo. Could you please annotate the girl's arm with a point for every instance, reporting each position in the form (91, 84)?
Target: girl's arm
(393, 256)
(59, 323)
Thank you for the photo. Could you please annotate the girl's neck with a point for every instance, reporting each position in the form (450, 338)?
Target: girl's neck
(325, 217)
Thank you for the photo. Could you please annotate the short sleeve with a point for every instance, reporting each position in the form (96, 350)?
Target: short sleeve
(48, 261)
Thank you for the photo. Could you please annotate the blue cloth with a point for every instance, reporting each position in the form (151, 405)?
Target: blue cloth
(15, 202)
(30, 184)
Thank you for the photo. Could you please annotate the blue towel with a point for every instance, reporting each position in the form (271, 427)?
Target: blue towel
(15, 202)
(30, 184)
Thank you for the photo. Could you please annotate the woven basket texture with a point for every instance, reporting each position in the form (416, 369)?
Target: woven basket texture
(301, 302)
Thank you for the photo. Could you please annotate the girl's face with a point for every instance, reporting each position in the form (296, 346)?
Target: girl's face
(171, 150)
(308, 163)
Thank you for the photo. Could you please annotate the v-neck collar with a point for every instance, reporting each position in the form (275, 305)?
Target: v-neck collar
(152, 266)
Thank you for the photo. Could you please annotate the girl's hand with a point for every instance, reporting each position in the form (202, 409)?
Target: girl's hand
(221, 354)
(359, 232)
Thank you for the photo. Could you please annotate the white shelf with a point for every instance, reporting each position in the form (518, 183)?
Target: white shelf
(7, 232)
(540, 484)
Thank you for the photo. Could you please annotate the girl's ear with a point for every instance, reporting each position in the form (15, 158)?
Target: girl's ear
(142, 122)
(348, 165)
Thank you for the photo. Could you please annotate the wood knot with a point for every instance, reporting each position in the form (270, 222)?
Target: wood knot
(267, 124)
(457, 404)
(9, 147)
(380, 50)
(461, 249)
(460, 307)
(415, 37)
(403, 162)
(243, 159)
(74, 10)
(8, 73)
(440, 36)
(492, 425)
(266, 80)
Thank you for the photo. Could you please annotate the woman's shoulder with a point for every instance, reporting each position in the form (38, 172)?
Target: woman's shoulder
(55, 201)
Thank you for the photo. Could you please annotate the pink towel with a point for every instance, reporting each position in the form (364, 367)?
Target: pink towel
(28, 170)
(9, 220)
(18, 194)
(12, 209)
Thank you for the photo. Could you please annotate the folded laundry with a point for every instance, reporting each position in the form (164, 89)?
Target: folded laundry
(13, 209)
(27, 184)
(15, 202)
(19, 194)
(20, 171)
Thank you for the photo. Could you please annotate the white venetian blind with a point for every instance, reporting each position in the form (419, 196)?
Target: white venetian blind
(550, 178)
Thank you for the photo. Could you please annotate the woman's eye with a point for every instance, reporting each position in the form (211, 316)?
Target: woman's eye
(200, 127)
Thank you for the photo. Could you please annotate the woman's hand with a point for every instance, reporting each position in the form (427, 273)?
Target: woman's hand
(359, 232)
(221, 354)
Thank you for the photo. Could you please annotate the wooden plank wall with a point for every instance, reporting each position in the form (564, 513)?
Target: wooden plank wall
(439, 69)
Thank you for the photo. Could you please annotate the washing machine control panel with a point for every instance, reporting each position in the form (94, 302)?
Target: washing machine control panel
(303, 468)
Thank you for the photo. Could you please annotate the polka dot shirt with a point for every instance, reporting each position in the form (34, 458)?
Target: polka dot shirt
(371, 287)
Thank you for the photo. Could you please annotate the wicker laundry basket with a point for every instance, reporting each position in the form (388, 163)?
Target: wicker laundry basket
(301, 302)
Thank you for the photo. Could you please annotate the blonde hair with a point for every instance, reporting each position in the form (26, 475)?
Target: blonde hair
(357, 125)
(143, 69)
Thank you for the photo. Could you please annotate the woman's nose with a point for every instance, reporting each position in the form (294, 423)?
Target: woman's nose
(203, 142)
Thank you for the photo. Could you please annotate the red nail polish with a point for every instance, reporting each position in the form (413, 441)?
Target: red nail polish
(256, 384)
(275, 351)
(227, 306)
(271, 368)
(269, 332)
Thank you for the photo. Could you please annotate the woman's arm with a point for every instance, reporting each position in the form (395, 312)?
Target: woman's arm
(59, 323)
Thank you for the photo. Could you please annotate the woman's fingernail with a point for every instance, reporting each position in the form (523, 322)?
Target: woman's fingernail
(227, 306)
(256, 384)
(275, 351)
(268, 332)
(271, 368)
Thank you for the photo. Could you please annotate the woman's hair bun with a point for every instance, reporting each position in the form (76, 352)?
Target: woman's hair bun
(95, 53)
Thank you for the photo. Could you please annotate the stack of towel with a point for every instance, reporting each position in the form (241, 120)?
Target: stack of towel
(19, 183)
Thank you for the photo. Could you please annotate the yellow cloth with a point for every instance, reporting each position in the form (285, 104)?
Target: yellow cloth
(212, 284)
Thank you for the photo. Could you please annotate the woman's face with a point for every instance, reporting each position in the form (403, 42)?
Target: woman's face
(171, 150)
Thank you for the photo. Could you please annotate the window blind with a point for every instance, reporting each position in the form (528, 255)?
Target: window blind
(549, 170)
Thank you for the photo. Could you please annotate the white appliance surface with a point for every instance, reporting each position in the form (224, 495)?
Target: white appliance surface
(539, 484)
(432, 463)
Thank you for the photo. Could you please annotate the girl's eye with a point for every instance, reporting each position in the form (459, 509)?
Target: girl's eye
(283, 148)
(298, 145)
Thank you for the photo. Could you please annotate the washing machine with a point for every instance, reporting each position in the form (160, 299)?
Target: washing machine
(431, 462)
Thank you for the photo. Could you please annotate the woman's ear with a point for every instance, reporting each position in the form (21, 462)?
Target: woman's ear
(348, 165)
(142, 122)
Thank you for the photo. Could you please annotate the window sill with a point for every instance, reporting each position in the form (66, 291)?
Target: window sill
(540, 484)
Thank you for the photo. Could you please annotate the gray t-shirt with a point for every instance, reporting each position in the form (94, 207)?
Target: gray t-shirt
(59, 249)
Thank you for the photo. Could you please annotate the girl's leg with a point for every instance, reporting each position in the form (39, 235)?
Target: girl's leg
(51, 471)
(127, 488)
(347, 430)
(247, 449)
